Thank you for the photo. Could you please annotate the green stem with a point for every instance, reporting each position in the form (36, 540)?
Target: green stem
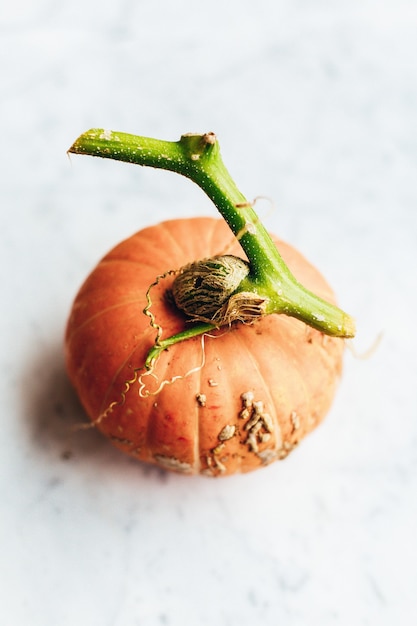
(163, 344)
(198, 157)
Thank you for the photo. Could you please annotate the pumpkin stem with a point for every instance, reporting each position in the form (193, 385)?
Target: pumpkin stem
(198, 157)
(163, 344)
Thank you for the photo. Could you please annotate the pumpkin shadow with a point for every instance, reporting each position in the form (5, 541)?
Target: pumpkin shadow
(54, 416)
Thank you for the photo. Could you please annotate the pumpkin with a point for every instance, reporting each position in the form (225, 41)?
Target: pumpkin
(230, 401)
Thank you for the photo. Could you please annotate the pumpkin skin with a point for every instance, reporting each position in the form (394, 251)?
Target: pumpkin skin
(261, 389)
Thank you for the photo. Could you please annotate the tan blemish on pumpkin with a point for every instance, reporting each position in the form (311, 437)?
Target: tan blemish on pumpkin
(247, 400)
(252, 439)
(212, 383)
(295, 420)
(259, 425)
(214, 463)
(219, 465)
(217, 456)
(218, 449)
(201, 399)
(227, 432)
(268, 456)
(287, 447)
(120, 440)
(171, 463)
(267, 422)
(215, 460)
(264, 437)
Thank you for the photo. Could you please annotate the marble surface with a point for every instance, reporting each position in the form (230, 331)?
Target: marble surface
(314, 103)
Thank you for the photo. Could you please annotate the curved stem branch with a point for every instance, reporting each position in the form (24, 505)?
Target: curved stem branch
(163, 344)
(198, 158)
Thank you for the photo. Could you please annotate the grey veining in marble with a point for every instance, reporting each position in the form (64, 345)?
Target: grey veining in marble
(315, 107)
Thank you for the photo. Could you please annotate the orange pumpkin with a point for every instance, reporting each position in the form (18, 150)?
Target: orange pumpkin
(243, 397)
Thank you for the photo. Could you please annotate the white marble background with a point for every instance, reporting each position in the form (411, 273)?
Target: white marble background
(315, 105)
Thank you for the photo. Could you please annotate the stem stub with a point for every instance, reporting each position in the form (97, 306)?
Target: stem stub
(207, 291)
